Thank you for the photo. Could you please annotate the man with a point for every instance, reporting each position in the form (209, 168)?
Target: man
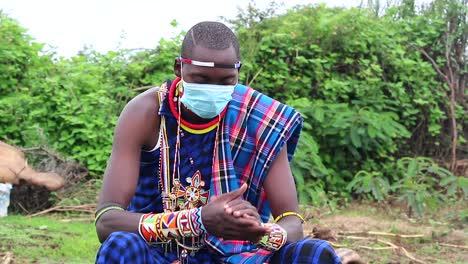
(200, 164)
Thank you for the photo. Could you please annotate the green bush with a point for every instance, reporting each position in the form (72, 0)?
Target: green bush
(368, 95)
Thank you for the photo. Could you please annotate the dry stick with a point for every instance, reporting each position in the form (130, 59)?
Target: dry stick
(380, 234)
(454, 246)
(77, 220)
(399, 249)
(375, 248)
(49, 152)
(7, 258)
(86, 208)
(336, 245)
(450, 82)
(24, 209)
(255, 77)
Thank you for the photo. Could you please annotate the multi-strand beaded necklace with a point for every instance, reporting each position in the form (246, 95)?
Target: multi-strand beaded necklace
(176, 196)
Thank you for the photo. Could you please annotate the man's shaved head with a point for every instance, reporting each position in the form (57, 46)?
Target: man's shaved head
(210, 35)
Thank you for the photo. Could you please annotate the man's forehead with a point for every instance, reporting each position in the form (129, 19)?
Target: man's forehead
(226, 56)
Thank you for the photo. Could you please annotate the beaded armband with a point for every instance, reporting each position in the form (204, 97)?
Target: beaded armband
(281, 216)
(162, 227)
(106, 208)
(275, 239)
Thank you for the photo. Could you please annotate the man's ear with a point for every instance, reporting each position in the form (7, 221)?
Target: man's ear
(177, 65)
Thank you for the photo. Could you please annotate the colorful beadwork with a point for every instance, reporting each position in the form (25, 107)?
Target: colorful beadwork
(157, 228)
(191, 196)
(275, 239)
(182, 196)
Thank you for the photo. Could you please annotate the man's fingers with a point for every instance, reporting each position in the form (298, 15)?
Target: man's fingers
(234, 203)
(227, 197)
(246, 212)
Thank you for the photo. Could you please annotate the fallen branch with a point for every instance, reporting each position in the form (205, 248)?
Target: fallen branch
(336, 245)
(77, 220)
(375, 248)
(454, 246)
(84, 208)
(379, 234)
(7, 258)
(398, 249)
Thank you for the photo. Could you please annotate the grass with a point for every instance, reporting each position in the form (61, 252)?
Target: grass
(48, 239)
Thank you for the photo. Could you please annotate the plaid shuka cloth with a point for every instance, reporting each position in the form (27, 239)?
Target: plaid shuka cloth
(252, 133)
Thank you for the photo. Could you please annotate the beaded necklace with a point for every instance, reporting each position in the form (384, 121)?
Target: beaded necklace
(175, 196)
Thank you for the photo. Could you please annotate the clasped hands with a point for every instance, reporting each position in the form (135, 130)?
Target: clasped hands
(231, 217)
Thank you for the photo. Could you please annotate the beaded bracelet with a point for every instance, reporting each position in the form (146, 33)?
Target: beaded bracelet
(162, 227)
(281, 216)
(106, 209)
(274, 240)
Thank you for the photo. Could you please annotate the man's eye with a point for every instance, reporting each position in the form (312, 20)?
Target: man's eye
(229, 81)
(199, 80)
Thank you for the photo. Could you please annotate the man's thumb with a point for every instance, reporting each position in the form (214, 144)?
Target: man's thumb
(234, 194)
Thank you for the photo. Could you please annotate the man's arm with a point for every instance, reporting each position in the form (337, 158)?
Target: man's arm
(282, 195)
(137, 127)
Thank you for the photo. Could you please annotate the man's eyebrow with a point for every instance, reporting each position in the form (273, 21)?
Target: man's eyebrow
(204, 74)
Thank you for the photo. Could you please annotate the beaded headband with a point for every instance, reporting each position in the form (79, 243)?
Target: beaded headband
(236, 65)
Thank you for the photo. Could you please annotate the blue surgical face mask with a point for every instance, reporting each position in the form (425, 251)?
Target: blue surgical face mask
(206, 100)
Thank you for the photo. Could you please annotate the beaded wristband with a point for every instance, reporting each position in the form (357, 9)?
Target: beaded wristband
(275, 239)
(155, 228)
(281, 216)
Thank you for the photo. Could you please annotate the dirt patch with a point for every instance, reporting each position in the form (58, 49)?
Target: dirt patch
(353, 228)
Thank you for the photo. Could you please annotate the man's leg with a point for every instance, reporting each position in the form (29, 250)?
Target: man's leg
(306, 251)
(125, 247)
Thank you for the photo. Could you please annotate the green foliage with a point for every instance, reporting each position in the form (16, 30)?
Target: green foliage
(71, 105)
(422, 184)
(368, 95)
(339, 139)
(370, 183)
(418, 182)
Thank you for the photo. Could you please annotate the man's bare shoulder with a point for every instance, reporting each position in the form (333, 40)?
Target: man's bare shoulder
(144, 104)
(140, 120)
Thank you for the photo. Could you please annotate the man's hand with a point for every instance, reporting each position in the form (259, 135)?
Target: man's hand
(220, 223)
(242, 208)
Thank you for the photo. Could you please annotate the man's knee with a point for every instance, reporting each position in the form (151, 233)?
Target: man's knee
(121, 247)
(307, 251)
(319, 251)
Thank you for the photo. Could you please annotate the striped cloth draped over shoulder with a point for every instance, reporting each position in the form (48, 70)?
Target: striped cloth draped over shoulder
(253, 132)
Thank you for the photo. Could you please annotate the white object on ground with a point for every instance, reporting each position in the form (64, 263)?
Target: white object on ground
(5, 189)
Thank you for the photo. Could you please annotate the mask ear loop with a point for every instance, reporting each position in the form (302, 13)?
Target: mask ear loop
(177, 146)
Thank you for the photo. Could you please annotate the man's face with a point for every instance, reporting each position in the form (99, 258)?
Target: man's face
(207, 75)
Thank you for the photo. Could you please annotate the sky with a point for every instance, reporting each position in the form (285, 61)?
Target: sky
(69, 25)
